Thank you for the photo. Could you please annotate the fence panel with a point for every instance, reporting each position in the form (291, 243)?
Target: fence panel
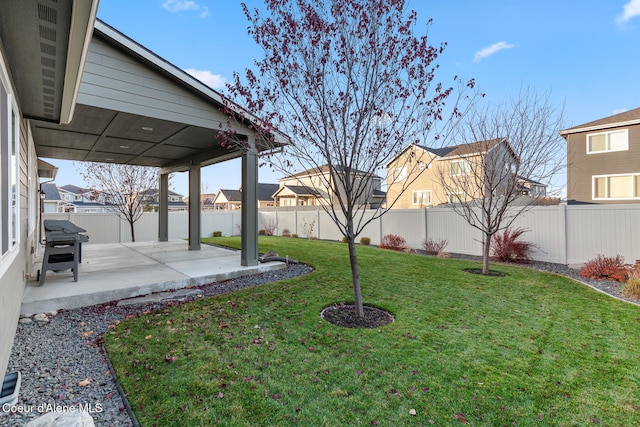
(604, 229)
(444, 223)
(408, 223)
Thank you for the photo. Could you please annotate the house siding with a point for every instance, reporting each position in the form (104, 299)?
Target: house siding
(13, 279)
(114, 80)
(582, 166)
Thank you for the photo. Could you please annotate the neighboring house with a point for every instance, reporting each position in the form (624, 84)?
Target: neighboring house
(232, 199)
(228, 200)
(50, 198)
(151, 198)
(313, 187)
(603, 160)
(81, 200)
(417, 168)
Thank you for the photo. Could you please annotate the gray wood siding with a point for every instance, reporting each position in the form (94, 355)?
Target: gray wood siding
(116, 81)
(582, 166)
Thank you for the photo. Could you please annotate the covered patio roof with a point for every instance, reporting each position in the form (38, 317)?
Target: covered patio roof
(133, 107)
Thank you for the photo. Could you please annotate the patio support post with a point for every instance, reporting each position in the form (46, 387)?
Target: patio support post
(194, 207)
(163, 208)
(249, 227)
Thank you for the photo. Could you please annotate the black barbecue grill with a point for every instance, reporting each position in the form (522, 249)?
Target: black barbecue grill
(63, 247)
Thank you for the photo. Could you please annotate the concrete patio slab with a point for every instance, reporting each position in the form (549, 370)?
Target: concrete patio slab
(111, 272)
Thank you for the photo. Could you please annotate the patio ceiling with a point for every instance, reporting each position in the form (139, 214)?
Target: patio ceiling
(101, 135)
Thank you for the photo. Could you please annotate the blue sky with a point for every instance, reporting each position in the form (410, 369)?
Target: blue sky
(585, 53)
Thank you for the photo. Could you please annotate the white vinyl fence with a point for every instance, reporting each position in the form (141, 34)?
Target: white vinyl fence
(562, 234)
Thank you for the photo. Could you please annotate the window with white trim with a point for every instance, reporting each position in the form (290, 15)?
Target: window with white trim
(9, 166)
(603, 142)
(398, 174)
(616, 187)
(457, 197)
(421, 197)
(460, 167)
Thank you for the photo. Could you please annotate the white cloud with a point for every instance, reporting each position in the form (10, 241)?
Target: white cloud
(214, 81)
(630, 10)
(186, 5)
(488, 51)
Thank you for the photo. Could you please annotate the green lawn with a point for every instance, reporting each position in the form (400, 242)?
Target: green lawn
(530, 349)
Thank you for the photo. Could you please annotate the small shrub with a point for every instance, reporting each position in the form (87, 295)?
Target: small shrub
(344, 239)
(393, 242)
(262, 232)
(294, 236)
(507, 246)
(217, 234)
(434, 247)
(605, 268)
(631, 289)
(312, 237)
(365, 241)
(286, 233)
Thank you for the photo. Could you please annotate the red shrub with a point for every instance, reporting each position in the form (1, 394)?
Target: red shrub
(605, 268)
(507, 248)
(393, 242)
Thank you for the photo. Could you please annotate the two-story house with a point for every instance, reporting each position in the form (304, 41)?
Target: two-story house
(150, 200)
(81, 200)
(313, 187)
(603, 160)
(421, 176)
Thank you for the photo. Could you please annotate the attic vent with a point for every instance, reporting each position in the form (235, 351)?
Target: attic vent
(48, 62)
(47, 33)
(48, 91)
(48, 83)
(48, 98)
(47, 14)
(47, 49)
(48, 73)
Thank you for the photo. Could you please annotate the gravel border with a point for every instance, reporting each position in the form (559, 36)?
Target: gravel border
(64, 365)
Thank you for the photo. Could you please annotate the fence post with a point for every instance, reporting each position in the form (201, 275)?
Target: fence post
(426, 225)
(562, 235)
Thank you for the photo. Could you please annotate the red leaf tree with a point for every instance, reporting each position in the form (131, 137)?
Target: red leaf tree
(351, 85)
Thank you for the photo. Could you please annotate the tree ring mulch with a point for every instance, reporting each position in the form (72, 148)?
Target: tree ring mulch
(345, 315)
(490, 273)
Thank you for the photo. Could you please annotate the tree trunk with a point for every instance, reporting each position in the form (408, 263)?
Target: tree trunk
(133, 235)
(486, 248)
(355, 277)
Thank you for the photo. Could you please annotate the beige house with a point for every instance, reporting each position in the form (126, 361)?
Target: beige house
(313, 187)
(230, 200)
(603, 158)
(417, 171)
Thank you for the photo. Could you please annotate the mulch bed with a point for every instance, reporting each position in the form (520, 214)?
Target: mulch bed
(345, 315)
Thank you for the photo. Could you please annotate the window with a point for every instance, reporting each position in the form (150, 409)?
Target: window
(421, 197)
(9, 166)
(457, 197)
(460, 167)
(616, 187)
(608, 141)
(398, 174)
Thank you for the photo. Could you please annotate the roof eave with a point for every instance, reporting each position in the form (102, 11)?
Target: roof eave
(599, 127)
(83, 19)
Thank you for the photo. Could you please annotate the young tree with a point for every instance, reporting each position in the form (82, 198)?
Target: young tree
(351, 85)
(509, 146)
(122, 187)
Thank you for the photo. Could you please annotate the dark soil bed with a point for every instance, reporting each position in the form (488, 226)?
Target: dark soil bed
(345, 315)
